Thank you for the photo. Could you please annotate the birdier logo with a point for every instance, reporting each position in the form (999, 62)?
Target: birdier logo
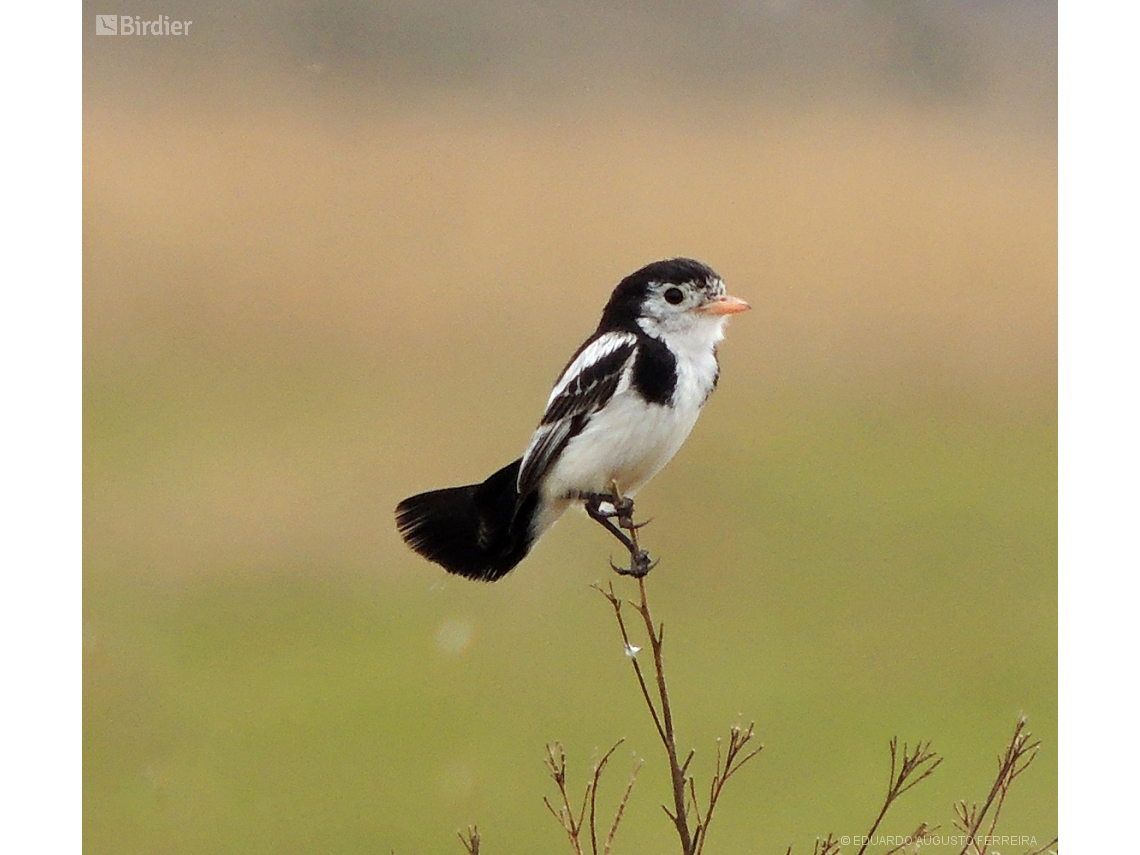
(125, 25)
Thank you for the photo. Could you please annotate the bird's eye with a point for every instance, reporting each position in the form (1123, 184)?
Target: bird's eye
(674, 295)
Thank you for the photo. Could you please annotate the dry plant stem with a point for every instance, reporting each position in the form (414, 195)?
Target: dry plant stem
(922, 831)
(663, 720)
(556, 763)
(621, 809)
(922, 761)
(1019, 754)
(737, 739)
(656, 639)
(573, 823)
(692, 836)
(471, 841)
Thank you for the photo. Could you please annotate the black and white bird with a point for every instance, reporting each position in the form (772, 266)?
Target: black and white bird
(619, 411)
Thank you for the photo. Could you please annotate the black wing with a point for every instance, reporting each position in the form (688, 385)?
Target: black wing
(586, 384)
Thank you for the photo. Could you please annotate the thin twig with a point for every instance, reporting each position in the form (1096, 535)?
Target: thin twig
(656, 642)
(1018, 755)
(685, 807)
(922, 831)
(592, 792)
(922, 760)
(471, 841)
(616, 602)
(737, 739)
(556, 764)
(1048, 847)
(621, 809)
(572, 821)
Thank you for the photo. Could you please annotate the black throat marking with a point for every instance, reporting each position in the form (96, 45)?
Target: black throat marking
(654, 371)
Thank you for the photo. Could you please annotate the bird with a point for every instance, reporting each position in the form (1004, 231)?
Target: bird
(621, 408)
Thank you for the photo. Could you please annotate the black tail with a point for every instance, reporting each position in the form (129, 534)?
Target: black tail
(480, 531)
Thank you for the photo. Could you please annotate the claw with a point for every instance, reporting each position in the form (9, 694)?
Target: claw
(640, 565)
(639, 561)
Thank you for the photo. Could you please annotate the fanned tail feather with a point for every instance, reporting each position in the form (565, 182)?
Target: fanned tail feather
(480, 531)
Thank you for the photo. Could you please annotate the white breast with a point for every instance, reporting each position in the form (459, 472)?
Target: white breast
(629, 441)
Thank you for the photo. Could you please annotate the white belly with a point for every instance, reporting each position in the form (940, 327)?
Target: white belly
(628, 442)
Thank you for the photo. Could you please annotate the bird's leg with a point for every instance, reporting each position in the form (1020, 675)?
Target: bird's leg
(639, 561)
(594, 503)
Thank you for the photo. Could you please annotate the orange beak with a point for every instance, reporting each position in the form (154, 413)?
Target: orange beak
(725, 306)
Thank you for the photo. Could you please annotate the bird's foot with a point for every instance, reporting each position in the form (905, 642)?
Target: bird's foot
(622, 509)
(639, 561)
(639, 565)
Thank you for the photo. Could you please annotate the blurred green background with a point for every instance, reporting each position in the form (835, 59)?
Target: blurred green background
(336, 254)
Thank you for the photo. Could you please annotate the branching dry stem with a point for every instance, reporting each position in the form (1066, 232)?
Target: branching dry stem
(1018, 755)
(471, 840)
(690, 821)
(573, 822)
(922, 831)
(915, 766)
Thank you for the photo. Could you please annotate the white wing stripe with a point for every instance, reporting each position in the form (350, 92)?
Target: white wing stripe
(603, 346)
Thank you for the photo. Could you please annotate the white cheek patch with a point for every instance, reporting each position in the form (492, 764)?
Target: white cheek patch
(650, 326)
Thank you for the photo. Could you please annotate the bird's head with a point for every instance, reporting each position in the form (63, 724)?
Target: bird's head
(677, 298)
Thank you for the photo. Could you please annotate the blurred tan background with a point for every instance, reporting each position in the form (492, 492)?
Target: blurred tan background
(337, 254)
